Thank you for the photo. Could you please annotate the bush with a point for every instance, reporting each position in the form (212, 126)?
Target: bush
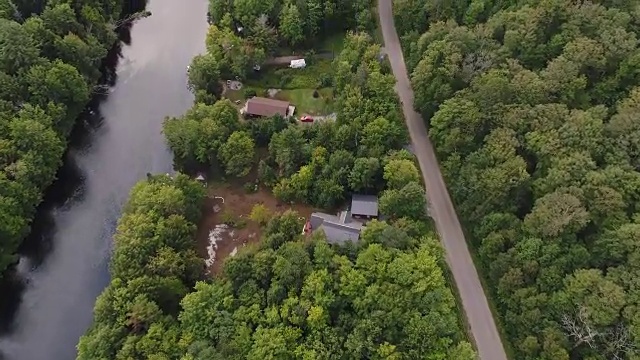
(325, 80)
(241, 222)
(285, 79)
(228, 218)
(205, 98)
(250, 188)
(260, 214)
(310, 57)
(249, 93)
(266, 174)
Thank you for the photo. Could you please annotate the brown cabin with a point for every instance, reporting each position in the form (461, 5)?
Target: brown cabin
(265, 107)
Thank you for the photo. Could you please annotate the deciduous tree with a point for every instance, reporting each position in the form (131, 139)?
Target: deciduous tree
(237, 153)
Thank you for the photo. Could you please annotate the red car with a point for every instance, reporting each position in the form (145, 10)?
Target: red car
(306, 118)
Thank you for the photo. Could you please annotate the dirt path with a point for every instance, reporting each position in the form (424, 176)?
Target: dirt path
(474, 301)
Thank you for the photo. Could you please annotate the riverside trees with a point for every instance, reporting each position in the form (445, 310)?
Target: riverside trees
(49, 61)
(533, 110)
(154, 265)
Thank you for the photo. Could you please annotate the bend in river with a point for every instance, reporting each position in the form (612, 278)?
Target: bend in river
(55, 306)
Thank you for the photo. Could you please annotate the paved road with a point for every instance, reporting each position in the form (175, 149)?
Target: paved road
(475, 304)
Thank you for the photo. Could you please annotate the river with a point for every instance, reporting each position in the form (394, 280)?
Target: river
(64, 264)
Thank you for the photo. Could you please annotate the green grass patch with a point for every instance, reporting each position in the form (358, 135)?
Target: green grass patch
(234, 95)
(302, 99)
(332, 43)
(317, 74)
(305, 103)
(296, 86)
(239, 95)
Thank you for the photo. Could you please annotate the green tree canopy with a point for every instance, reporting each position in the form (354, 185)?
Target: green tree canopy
(237, 153)
(532, 107)
(50, 58)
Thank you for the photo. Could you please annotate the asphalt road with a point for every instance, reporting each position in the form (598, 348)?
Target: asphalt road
(474, 302)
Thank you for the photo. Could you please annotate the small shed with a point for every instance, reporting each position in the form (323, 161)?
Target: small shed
(298, 64)
(364, 206)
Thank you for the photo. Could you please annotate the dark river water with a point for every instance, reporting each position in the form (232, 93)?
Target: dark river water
(64, 263)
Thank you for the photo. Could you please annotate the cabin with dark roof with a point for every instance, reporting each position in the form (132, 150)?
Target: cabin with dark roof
(347, 225)
(364, 207)
(337, 228)
(265, 107)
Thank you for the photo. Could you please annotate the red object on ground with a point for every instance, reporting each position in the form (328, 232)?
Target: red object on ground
(307, 227)
(306, 118)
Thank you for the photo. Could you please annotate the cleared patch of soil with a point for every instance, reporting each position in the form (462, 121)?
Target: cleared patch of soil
(217, 241)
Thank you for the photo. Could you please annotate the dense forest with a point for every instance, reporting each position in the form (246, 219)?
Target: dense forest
(385, 298)
(267, 23)
(534, 109)
(153, 266)
(50, 56)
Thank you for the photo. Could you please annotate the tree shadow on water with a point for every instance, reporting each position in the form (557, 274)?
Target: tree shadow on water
(66, 190)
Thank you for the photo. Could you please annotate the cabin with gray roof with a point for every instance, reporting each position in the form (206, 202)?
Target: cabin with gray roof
(364, 206)
(347, 225)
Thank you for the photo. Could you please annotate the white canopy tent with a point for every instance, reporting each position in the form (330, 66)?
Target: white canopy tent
(298, 64)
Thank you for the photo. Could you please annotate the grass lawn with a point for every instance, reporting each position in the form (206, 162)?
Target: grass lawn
(234, 95)
(296, 85)
(305, 102)
(302, 99)
(332, 43)
(283, 77)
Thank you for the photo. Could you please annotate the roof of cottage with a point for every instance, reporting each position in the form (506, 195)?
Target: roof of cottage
(366, 205)
(267, 107)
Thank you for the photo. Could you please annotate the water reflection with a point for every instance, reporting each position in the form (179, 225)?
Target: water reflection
(47, 302)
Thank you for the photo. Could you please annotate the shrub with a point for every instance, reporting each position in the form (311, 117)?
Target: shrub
(260, 214)
(285, 79)
(228, 218)
(310, 57)
(325, 80)
(249, 93)
(250, 188)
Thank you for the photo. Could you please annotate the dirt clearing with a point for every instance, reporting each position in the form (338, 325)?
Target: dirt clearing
(225, 226)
